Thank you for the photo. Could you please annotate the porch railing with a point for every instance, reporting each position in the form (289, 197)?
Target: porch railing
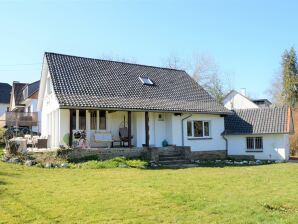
(21, 119)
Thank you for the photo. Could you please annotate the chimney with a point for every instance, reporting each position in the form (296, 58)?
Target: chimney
(243, 91)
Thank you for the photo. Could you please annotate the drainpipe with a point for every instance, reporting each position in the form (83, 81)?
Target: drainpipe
(226, 140)
(182, 129)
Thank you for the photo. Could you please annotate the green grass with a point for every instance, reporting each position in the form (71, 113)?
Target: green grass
(254, 194)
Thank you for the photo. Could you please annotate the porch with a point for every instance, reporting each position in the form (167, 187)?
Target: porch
(107, 128)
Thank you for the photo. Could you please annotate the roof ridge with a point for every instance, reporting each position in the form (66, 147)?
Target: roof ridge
(262, 108)
(130, 63)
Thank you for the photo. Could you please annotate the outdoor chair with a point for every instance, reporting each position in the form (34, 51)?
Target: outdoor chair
(123, 134)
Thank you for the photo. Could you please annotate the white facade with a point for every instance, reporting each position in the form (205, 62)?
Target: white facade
(235, 101)
(3, 108)
(275, 146)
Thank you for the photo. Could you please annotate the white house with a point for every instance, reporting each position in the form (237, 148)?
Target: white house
(235, 100)
(157, 105)
(5, 90)
(23, 106)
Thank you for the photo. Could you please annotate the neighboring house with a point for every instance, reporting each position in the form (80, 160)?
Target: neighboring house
(262, 133)
(235, 100)
(23, 106)
(5, 90)
(157, 104)
(262, 102)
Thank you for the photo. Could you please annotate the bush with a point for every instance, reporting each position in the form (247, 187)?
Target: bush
(2, 140)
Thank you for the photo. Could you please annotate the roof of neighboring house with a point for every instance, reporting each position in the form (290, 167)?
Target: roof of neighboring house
(94, 83)
(262, 102)
(259, 121)
(18, 89)
(18, 92)
(5, 90)
(33, 88)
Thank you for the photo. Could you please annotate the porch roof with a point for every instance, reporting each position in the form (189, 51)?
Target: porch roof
(93, 83)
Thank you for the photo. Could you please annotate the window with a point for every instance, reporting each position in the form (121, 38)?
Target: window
(198, 129)
(93, 119)
(254, 143)
(146, 81)
(82, 120)
(73, 119)
(102, 120)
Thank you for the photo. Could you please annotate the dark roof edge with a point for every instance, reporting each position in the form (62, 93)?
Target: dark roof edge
(142, 110)
(261, 133)
(150, 66)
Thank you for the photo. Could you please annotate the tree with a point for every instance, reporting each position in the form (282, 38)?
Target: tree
(203, 70)
(276, 89)
(289, 76)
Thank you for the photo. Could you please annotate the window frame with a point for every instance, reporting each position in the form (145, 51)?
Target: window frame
(192, 130)
(255, 141)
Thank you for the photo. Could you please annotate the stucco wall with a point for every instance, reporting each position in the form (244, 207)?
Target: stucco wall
(3, 108)
(275, 146)
(237, 101)
(215, 142)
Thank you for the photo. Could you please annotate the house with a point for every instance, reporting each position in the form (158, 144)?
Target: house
(157, 105)
(238, 100)
(5, 90)
(262, 133)
(23, 106)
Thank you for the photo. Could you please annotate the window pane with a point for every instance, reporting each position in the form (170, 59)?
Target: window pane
(93, 120)
(250, 143)
(102, 120)
(206, 128)
(259, 143)
(189, 128)
(198, 128)
(73, 119)
(82, 120)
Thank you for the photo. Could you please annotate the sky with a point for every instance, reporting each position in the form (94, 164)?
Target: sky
(246, 38)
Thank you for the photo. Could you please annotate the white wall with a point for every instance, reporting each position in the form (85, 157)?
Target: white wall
(237, 101)
(215, 142)
(275, 146)
(3, 108)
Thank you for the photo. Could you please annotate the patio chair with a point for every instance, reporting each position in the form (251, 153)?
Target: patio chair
(28, 140)
(123, 134)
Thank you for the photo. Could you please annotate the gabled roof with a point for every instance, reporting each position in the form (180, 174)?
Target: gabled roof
(5, 90)
(17, 89)
(33, 88)
(94, 83)
(259, 121)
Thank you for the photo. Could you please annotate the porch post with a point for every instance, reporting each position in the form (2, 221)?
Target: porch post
(129, 128)
(147, 128)
(70, 127)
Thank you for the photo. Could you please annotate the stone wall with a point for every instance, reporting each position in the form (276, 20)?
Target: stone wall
(107, 153)
(208, 155)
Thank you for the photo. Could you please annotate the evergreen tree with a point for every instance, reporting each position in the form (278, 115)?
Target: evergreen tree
(290, 78)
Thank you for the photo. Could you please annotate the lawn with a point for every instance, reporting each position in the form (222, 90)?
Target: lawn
(259, 194)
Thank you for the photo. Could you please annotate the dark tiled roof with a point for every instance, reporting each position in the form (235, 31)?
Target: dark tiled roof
(5, 90)
(258, 121)
(18, 92)
(85, 82)
(33, 88)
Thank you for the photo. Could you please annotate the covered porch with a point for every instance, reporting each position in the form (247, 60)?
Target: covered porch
(111, 128)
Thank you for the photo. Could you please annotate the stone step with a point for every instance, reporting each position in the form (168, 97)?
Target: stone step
(172, 162)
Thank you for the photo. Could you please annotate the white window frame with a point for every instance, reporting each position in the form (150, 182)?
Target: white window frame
(254, 149)
(192, 129)
(146, 81)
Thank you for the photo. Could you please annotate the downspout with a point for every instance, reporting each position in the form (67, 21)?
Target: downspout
(182, 129)
(226, 140)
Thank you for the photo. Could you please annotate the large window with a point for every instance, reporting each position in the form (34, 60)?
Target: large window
(82, 120)
(254, 143)
(102, 120)
(93, 119)
(198, 129)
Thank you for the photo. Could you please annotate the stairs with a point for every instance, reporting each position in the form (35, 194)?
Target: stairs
(171, 156)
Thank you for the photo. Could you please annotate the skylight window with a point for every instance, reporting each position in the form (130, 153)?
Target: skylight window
(146, 81)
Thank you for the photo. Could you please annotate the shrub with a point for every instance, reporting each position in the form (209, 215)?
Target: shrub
(137, 163)
(2, 139)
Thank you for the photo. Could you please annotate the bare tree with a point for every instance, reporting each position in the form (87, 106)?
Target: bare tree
(276, 89)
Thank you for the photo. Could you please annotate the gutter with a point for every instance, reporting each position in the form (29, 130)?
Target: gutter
(182, 129)
(226, 140)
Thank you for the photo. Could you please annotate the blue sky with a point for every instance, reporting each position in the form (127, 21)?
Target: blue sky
(246, 38)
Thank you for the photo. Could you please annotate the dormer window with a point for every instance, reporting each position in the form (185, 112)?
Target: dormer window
(146, 81)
